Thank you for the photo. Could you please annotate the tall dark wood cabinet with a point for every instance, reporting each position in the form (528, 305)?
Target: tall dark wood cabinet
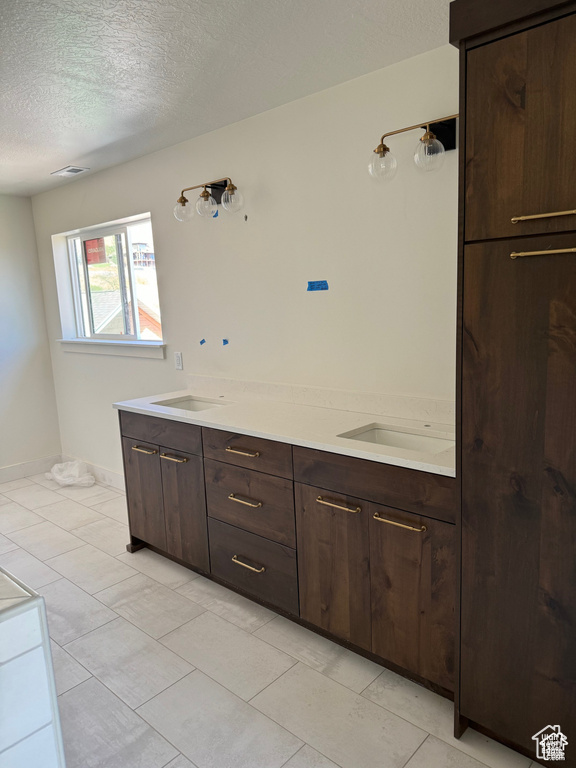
(517, 371)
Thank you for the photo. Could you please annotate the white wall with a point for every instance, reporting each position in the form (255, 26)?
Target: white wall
(387, 324)
(28, 418)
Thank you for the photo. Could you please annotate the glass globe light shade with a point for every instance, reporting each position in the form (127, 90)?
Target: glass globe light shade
(232, 201)
(382, 168)
(206, 207)
(429, 154)
(183, 212)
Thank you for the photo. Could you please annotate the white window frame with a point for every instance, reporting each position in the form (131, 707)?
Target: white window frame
(76, 337)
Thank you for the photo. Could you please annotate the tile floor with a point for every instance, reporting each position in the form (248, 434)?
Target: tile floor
(157, 667)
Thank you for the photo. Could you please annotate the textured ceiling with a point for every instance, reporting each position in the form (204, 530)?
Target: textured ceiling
(98, 82)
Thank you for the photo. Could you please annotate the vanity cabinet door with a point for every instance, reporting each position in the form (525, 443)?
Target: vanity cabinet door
(144, 492)
(413, 585)
(333, 563)
(185, 507)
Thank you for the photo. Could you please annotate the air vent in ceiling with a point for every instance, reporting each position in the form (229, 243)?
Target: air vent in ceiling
(70, 170)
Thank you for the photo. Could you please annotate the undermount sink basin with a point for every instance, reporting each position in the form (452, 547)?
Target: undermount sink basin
(190, 403)
(421, 441)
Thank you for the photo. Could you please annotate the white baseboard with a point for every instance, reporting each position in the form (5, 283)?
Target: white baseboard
(26, 468)
(105, 476)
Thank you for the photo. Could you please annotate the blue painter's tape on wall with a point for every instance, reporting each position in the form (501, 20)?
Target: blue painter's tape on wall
(224, 342)
(317, 285)
(202, 341)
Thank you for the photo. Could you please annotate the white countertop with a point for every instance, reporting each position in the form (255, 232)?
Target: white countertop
(306, 426)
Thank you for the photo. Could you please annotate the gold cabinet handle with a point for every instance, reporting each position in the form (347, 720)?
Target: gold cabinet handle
(399, 525)
(245, 565)
(246, 502)
(177, 459)
(147, 451)
(516, 219)
(328, 503)
(241, 452)
(519, 254)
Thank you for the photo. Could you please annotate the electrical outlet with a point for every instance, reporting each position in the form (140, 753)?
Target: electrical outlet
(178, 361)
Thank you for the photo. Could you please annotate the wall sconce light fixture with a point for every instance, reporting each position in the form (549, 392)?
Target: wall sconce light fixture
(429, 152)
(221, 190)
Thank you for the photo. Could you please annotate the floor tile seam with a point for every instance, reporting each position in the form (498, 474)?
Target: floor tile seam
(423, 730)
(77, 684)
(133, 710)
(246, 701)
(146, 632)
(306, 744)
(125, 578)
(419, 747)
(372, 683)
(265, 623)
(84, 634)
(33, 525)
(52, 557)
(473, 757)
(314, 669)
(39, 505)
(236, 625)
(62, 648)
(148, 700)
(174, 589)
(429, 733)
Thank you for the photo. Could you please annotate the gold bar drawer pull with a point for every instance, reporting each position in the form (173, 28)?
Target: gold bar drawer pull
(177, 459)
(516, 219)
(334, 505)
(245, 565)
(242, 452)
(520, 254)
(246, 502)
(147, 451)
(399, 525)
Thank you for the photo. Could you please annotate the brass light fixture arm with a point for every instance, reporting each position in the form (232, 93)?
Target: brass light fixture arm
(423, 126)
(207, 184)
(382, 149)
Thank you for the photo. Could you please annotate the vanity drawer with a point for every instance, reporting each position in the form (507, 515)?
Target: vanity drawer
(248, 452)
(421, 492)
(260, 567)
(259, 503)
(172, 434)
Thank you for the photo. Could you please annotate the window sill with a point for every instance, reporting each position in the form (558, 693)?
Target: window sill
(152, 349)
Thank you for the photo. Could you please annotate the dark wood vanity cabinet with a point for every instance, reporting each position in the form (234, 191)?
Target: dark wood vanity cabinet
(377, 576)
(363, 551)
(143, 479)
(165, 488)
(517, 371)
(334, 563)
(413, 589)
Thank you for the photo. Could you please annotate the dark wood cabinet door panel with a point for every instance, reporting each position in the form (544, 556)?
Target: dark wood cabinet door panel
(413, 585)
(518, 665)
(144, 491)
(248, 452)
(259, 503)
(185, 507)
(174, 434)
(260, 567)
(333, 563)
(520, 117)
(398, 487)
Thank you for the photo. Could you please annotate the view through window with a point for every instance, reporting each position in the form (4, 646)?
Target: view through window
(114, 279)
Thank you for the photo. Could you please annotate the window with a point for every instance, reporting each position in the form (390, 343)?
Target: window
(113, 276)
